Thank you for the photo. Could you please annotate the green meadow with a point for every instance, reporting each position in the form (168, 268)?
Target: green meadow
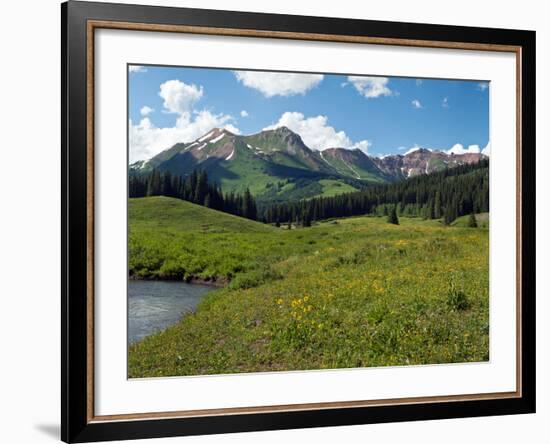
(352, 292)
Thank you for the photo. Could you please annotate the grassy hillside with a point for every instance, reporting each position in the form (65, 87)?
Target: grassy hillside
(334, 187)
(347, 293)
(482, 220)
(283, 181)
(174, 239)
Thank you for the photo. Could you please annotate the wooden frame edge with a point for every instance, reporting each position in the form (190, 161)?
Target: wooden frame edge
(97, 24)
(337, 38)
(303, 407)
(90, 183)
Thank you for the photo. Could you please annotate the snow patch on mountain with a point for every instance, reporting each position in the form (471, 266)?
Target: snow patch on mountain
(352, 169)
(203, 138)
(217, 139)
(323, 157)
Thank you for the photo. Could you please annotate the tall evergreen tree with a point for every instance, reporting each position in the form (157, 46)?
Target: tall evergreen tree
(193, 188)
(392, 216)
(437, 205)
(414, 197)
(201, 188)
(430, 210)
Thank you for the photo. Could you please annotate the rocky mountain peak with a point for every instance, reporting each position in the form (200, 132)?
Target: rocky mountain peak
(281, 154)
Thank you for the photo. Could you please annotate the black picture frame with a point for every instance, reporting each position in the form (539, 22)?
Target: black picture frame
(76, 423)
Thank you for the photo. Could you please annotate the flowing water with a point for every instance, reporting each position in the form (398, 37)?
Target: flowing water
(155, 305)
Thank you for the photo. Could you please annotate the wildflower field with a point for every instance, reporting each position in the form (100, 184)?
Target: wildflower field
(355, 292)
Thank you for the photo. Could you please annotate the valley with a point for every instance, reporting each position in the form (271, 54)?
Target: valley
(347, 292)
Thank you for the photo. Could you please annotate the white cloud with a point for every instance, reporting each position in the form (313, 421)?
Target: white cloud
(137, 68)
(316, 133)
(445, 102)
(147, 140)
(244, 113)
(482, 86)
(458, 148)
(487, 149)
(371, 87)
(277, 83)
(146, 110)
(179, 97)
(362, 145)
(416, 104)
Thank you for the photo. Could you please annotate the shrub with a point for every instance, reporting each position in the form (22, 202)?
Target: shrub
(472, 223)
(456, 297)
(254, 278)
(171, 269)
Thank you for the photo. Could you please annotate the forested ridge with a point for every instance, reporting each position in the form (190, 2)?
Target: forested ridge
(446, 194)
(194, 188)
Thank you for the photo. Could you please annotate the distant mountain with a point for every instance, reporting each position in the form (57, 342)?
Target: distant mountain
(422, 161)
(276, 165)
(356, 164)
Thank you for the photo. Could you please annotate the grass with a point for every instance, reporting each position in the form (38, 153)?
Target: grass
(334, 187)
(355, 292)
(482, 220)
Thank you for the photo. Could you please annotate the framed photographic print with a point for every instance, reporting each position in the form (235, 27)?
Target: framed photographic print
(276, 221)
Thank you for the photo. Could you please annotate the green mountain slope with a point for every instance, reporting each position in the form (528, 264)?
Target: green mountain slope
(354, 164)
(277, 166)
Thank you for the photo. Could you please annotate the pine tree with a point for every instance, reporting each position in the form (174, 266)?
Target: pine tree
(430, 212)
(248, 205)
(472, 222)
(392, 216)
(448, 217)
(154, 185)
(451, 211)
(437, 205)
(201, 188)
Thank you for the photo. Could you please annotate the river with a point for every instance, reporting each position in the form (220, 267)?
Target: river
(155, 305)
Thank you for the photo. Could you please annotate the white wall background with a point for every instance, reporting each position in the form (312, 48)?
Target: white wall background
(30, 207)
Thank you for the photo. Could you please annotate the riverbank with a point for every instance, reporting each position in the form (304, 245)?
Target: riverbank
(217, 282)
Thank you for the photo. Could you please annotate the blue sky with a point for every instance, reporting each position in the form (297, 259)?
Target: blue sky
(380, 115)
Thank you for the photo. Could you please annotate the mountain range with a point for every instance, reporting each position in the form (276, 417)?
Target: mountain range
(277, 166)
